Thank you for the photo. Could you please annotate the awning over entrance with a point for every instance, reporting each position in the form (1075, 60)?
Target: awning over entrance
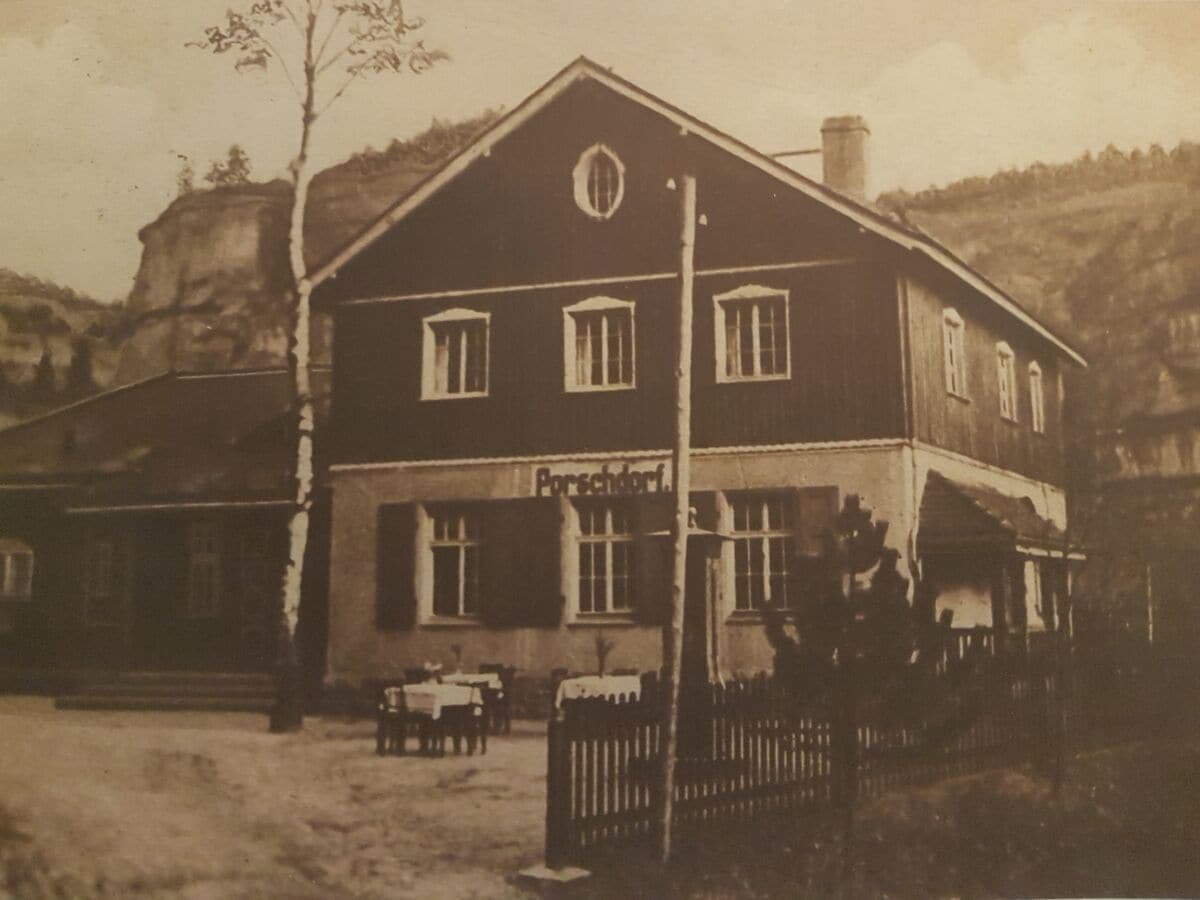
(957, 516)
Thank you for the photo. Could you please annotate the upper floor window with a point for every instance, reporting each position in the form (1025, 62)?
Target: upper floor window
(204, 571)
(752, 334)
(455, 547)
(605, 558)
(763, 545)
(1006, 374)
(16, 570)
(953, 361)
(455, 354)
(598, 344)
(599, 182)
(1037, 398)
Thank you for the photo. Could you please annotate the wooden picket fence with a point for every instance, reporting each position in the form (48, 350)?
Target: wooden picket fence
(759, 750)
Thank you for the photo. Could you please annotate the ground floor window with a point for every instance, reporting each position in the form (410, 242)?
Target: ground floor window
(16, 570)
(455, 548)
(605, 558)
(259, 578)
(763, 538)
(204, 571)
(102, 587)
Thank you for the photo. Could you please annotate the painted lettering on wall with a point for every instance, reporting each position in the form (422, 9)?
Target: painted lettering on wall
(606, 480)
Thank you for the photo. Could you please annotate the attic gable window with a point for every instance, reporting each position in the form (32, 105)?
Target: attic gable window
(598, 345)
(1006, 374)
(454, 357)
(953, 360)
(16, 570)
(599, 182)
(1037, 399)
(752, 334)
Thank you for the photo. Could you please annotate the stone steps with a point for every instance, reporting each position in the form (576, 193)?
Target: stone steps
(197, 691)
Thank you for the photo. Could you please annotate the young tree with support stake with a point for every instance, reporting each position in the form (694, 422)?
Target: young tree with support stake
(321, 47)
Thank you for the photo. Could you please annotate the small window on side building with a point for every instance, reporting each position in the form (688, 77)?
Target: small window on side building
(204, 571)
(16, 570)
(953, 359)
(1037, 399)
(1006, 375)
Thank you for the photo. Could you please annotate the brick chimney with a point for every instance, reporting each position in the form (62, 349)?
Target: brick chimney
(844, 154)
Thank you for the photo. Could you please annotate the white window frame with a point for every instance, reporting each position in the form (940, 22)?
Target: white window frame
(429, 380)
(10, 589)
(954, 361)
(580, 177)
(1037, 399)
(463, 539)
(763, 536)
(204, 555)
(751, 293)
(610, 538)
(1006, 379)
(601, 305)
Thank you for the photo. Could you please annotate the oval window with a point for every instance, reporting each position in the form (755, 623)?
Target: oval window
(599, 182)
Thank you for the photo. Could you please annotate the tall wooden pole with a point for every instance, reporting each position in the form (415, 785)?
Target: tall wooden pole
(673, 631)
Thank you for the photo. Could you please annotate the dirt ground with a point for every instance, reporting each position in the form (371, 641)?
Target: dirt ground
(210, 806)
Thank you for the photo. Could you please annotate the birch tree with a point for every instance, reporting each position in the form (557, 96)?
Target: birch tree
(320, 48)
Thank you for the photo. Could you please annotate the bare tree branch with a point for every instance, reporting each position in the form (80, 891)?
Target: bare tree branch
(353, 76)
(325, 42)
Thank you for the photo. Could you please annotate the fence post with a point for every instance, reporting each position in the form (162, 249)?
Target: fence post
(558, 793)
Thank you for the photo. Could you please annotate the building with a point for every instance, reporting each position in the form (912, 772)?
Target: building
(145, 528)
(503, 397)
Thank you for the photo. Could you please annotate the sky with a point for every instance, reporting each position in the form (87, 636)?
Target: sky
(98, 98)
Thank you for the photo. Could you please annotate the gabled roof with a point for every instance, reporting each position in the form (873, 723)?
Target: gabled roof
(180, 423)
(863, 215)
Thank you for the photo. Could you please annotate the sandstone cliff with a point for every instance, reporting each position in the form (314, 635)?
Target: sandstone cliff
(209, 293)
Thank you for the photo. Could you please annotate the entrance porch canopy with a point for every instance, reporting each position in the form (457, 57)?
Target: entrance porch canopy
(958, 517)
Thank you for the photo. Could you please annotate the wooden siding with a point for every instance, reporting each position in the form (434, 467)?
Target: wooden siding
(511, 217)
(845, 379)
(973, 426)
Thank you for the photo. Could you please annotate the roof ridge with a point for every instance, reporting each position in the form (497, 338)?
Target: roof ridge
(102, 395)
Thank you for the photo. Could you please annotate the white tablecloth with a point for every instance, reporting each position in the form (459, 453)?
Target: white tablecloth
(431, 698)
(490, 680)
(610, 686)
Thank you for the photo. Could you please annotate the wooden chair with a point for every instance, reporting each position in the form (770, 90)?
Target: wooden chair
(498, 704)
(391, 729)
(461, 723)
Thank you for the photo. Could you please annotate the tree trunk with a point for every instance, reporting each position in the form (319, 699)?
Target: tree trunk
(288, 712)
(673, 631)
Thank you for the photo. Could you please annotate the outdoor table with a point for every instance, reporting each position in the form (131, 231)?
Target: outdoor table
(441, 707)
(490, 680)
(607, 686)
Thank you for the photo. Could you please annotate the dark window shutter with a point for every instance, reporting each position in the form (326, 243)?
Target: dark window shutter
(520, 563)
(814, 515)
(654, 560)
(395, 593)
